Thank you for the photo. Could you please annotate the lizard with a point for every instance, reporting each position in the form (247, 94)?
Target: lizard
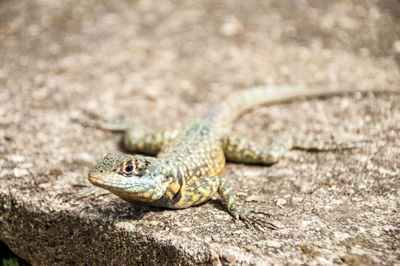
(188, 164)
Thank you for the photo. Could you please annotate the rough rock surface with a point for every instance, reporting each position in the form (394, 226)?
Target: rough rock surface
(63, 63)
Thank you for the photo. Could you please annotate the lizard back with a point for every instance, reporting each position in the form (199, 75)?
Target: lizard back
(197, 151)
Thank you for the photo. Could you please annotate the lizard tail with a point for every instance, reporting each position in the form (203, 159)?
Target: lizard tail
(222, 116)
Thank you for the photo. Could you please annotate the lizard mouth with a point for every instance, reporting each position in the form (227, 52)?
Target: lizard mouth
(102, 182)
(95, 180)
(107, 183)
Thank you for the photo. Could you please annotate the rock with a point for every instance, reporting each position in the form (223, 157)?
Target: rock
(64, 63)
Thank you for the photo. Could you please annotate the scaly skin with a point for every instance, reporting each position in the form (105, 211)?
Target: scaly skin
(189, 163)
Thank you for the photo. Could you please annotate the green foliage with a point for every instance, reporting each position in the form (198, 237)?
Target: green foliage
(10, 262)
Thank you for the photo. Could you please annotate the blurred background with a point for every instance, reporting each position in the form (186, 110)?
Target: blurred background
(86, 54)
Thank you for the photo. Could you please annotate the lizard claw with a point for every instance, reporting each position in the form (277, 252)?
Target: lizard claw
(252, 220)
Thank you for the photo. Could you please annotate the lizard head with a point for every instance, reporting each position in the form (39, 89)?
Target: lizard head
(131, 177)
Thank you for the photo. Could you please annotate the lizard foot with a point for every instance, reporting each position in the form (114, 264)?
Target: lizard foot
(324, 143)
(118, 124)
(253, 219)
(352, 145)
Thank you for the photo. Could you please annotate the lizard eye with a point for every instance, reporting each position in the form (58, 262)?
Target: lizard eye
(128, 168)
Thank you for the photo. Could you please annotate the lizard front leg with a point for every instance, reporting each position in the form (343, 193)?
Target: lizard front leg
(203, 189)
(135, 138)
(249, 217)
(135, 141)
(241, 150)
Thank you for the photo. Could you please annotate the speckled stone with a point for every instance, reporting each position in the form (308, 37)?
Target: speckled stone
(65, 63)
